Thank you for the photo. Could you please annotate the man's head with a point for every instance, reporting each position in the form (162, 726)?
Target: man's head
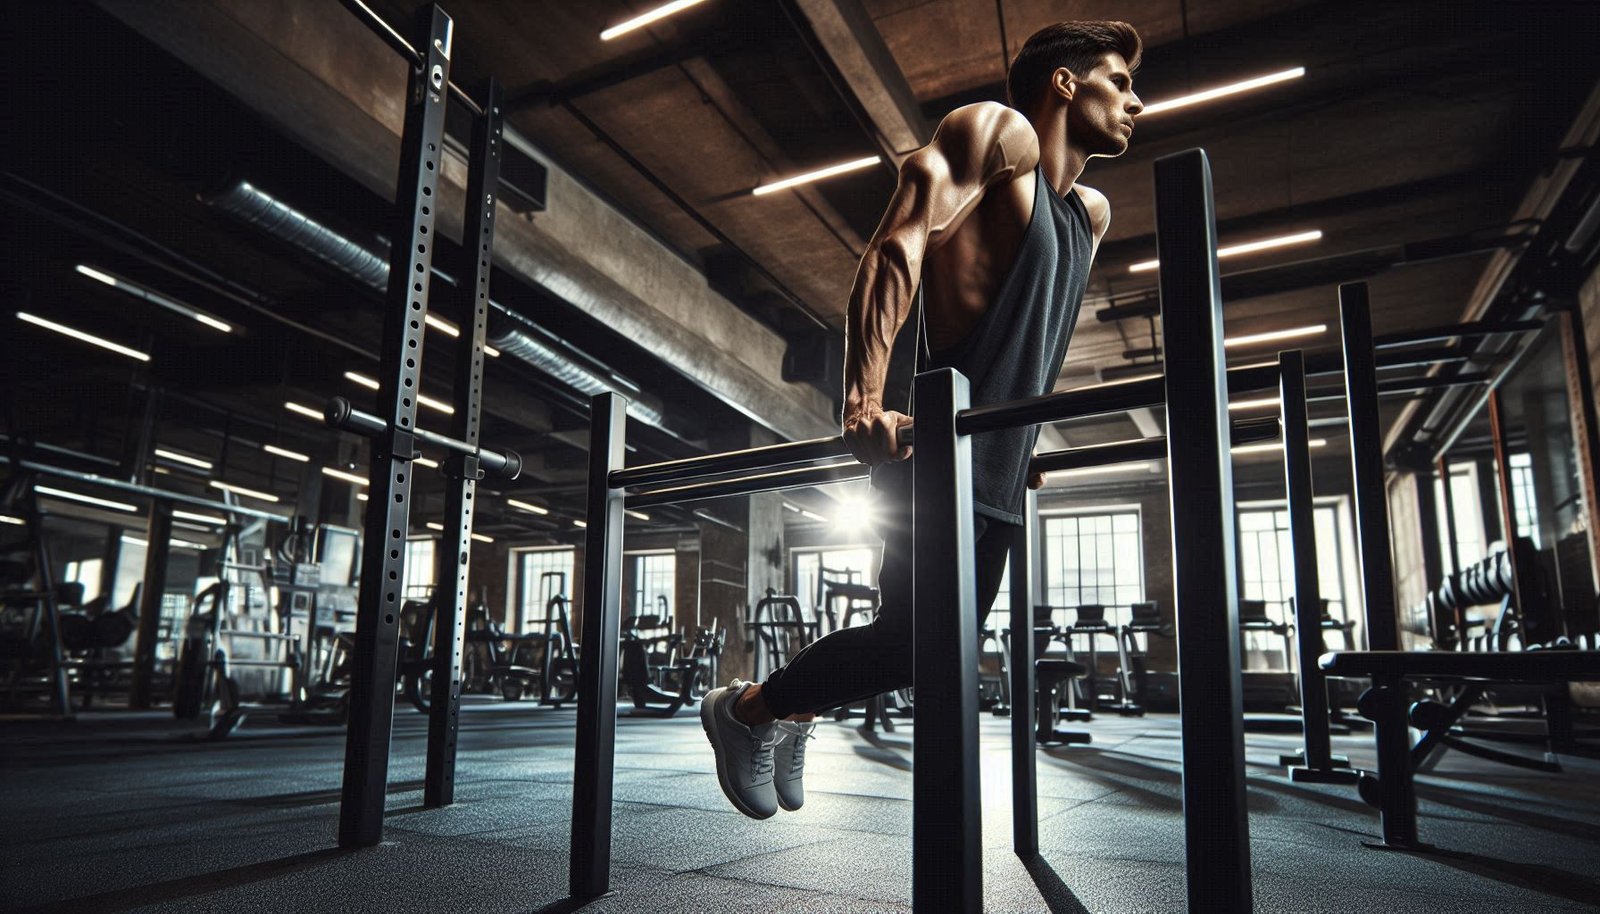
(1088, 68)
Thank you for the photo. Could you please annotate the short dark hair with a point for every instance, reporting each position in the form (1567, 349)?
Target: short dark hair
(1078, 46)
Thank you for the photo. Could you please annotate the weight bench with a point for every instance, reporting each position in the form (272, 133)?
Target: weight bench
(1392, 789)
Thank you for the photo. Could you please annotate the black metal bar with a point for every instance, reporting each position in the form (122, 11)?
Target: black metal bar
(1577, 355)
(1428, 522)
(1068, 404)
(1453, 332)
(749, 485)
(946, 814)
(405, 49)
(159, 537)
(1508, 509)
(1420, 358)
(340, 414)
(134, 488)
(1452, 540)
(1366, 458)
(49, 605)
(1317, 753)
(1024, 766)
(756, 458)
(1211, 708)
(589, 871)
(1244, 431)
(444, 712)
(366, 761)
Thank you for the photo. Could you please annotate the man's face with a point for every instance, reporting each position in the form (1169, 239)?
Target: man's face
(1101, 114)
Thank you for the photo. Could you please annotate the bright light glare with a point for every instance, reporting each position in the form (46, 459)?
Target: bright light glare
(241, 490)
(531, 508)
(854, 513)
(347, 477)
(808, 177)
(443, 326)
(183, 458)
(1272, 335)
(1113, 468)
(8, 519)
(372, 383)
(362, 379)
(77, 334)
(1272, 446)
(644, 19)
(86, 499)
(579, 523)
(155, 298)
(285, 452)
(1249, 247)
(427, 462)
(1196, 98)
(637, 515)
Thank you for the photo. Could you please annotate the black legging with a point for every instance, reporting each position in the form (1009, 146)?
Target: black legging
(853, 664)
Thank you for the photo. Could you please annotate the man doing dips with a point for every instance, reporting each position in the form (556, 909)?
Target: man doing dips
(989, 221)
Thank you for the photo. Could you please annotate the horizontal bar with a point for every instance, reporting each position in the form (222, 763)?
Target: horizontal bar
(750, 485)
(757, 458)
(137, 489)
(1453, 332)
(1245, 431)
(1406, 385)
(340, 414)
(401, 46)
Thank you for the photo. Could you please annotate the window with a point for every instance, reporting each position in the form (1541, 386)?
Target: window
(1094, 558)
(87, 573)
(1522, 497)
(857, 564)
(536, 571)
(420, 569)
(654, 575)
(1471, 543)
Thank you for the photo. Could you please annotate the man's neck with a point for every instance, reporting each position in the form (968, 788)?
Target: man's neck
(1061, 159)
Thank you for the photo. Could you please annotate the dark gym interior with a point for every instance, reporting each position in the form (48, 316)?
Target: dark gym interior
(413, 412)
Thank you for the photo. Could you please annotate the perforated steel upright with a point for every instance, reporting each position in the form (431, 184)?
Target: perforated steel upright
(444, 713)
(366, 765)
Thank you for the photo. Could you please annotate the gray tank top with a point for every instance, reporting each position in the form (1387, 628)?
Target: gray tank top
(1016, 348)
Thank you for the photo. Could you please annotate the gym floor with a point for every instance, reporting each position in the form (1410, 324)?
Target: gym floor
(123, 812)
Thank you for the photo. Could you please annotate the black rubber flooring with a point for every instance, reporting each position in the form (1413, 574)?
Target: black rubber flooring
(129, 812)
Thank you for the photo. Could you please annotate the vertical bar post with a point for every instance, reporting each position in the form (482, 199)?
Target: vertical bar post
(1366, 458)
(444, 711)
(1316, 761)
(1508, 510)
(1200, 472)
(158, 534)
(947, 846)
(1452, 563)
(1024, 764)
(366, 760)
(589, 871)
(1428, 520)
(1586, 419)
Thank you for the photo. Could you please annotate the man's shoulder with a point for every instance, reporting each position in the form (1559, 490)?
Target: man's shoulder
(985, 126)
(1098, 206)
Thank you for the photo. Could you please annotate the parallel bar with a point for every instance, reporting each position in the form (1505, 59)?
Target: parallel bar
(444, 711)
(366, 760)
(589, 869)
(133, 488)
(1024, 765)
(1366, 457)
(159, 537)
(749, 485)
(1244, 431)
(339, 413)
(1407, 385)
(1211, 708)
(1453, 332)
(946, 815)
(405, 49)
(756, 458)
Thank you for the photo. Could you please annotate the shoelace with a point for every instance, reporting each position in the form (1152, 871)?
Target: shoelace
(761, 759)
(803, 733)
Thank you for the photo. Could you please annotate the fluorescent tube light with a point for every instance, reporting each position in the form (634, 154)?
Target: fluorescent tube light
(1272, 446)
(241, 490)
(347, 477)
(644, 19)
(448, 329)
(77, 334)
(814, 516)
(303, 410)
(361, 496)
(808, 177)
(183, 458)
(427, 462)
(155, 298)
(637, 515)
(530, 508)
(434, 525)
(1112, 468)
(285, 452)
(1196, 98)
(1272, 335)
(86, 499)
(579, 523)
(202, 518)
(482, 538)
(362, 379)
(8, 519)
(372, 383)
(1249, 247)
(1253, 404)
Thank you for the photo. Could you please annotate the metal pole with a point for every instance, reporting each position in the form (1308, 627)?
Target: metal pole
(589, 870)
(946, 813)
(1508, 511)
(366, 759)
(1024, 766)
(1428, 521)
(444, 712)
(1201, 484)
(159, 537)
(1366, 458)
(1315, 762)
(1449, 499)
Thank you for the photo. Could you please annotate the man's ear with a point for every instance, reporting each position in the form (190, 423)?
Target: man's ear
(1064, 83)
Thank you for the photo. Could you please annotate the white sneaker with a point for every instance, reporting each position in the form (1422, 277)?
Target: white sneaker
(744, 754)
(789, 762)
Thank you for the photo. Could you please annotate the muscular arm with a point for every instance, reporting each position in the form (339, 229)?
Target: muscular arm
(975, 148)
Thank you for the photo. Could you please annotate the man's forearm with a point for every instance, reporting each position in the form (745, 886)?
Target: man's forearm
(880, 302)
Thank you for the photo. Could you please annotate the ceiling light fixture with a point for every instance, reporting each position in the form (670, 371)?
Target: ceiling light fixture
(347, 477)
(372, 384)
(241, 490)
(813, 515)
(155, 298)
(202, 518)
(448, 329)
(1271, 335)
(1253, 404)
(86, 499)
(303, 410)
(8, 519)
(808, 177)
(77, 334)
(183, 458)
(285, 452)
(637, 515)
(1183, 101)
(530, 508)
(580, 524)
(1249, 247)
(1112, 468)
(644, 19)
(1272, 446)
(427, 462)
(361, 496)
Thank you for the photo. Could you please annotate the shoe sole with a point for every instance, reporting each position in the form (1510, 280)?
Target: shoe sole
(708, 708)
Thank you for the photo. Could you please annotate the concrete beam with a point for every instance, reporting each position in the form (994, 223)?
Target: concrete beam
(326, 81)
(846, 34)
